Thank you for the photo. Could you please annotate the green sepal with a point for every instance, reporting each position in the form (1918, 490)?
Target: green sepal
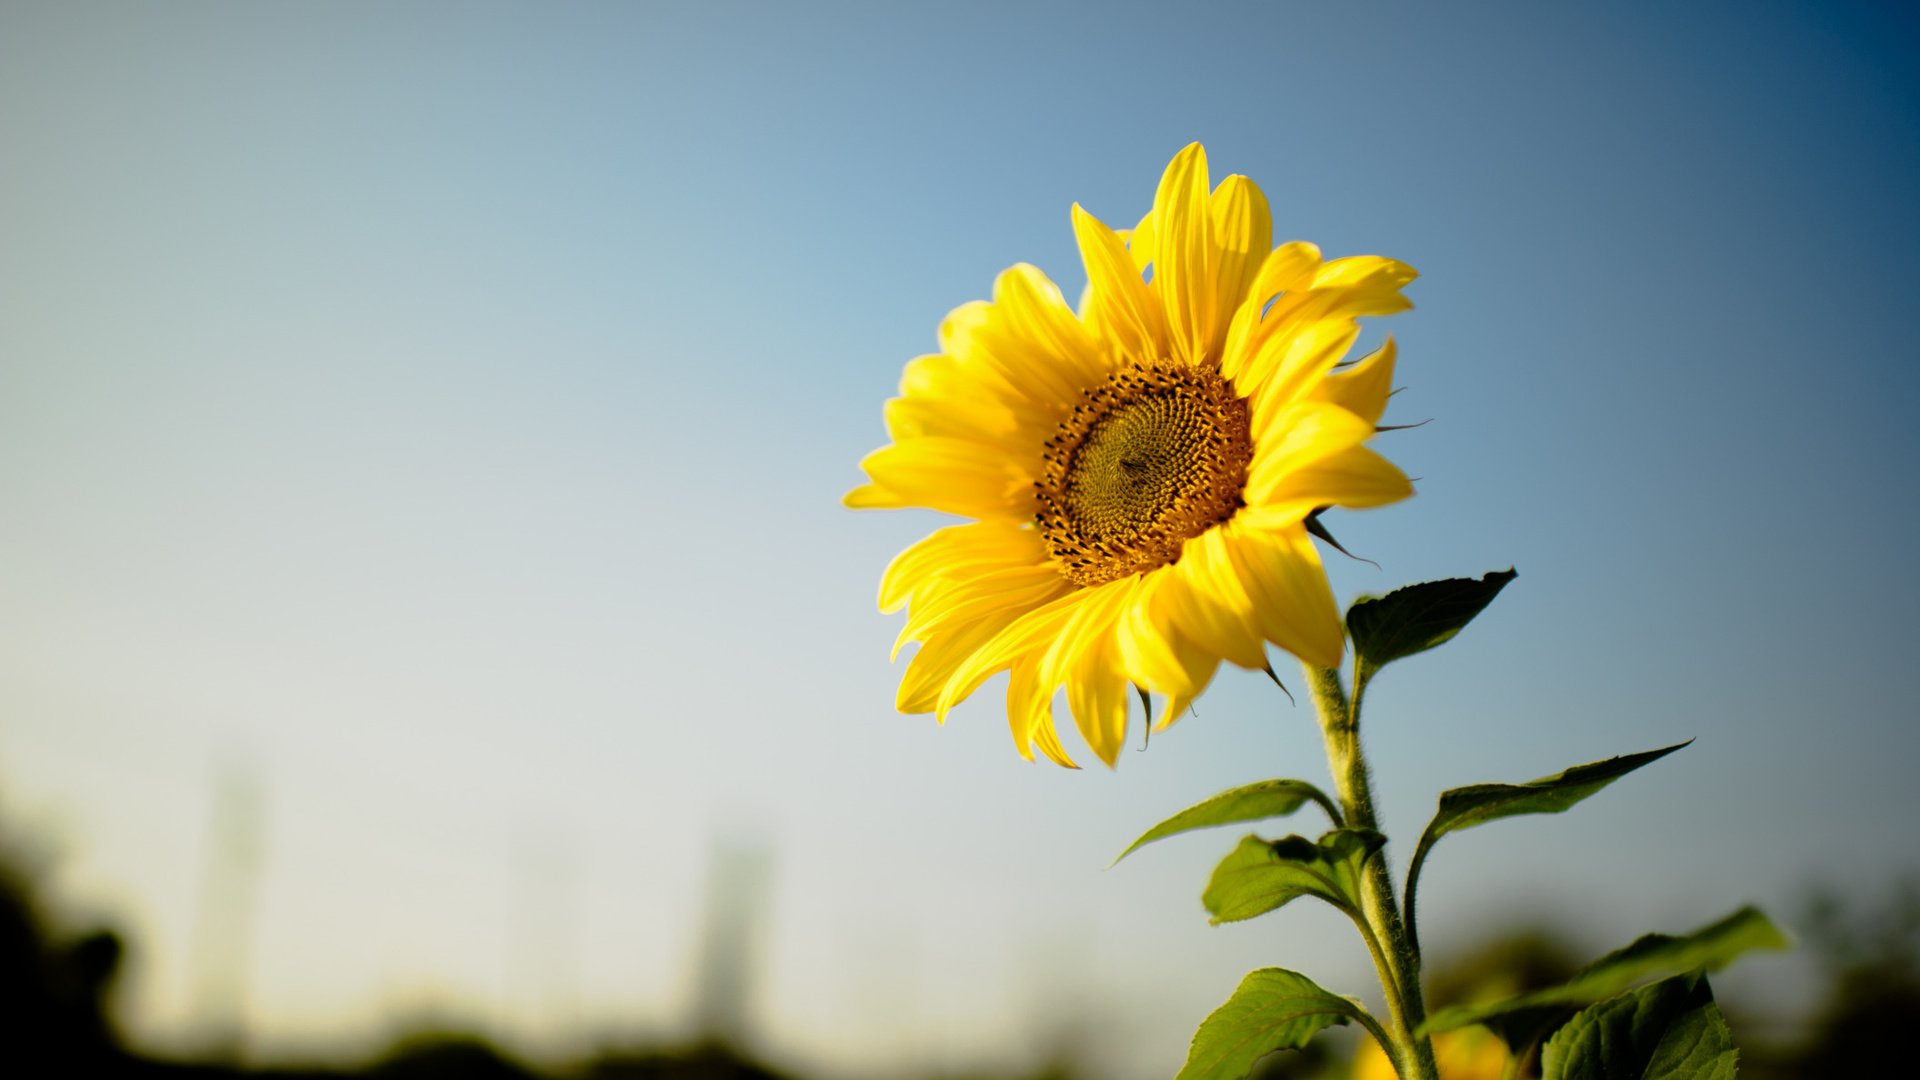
(1261, 875)
(1523, 1019)
(1416, 618)
(1254, 802)
(1669, 1030)
(1273, 1009)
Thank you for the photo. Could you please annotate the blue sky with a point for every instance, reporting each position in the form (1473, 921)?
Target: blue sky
(438, 414)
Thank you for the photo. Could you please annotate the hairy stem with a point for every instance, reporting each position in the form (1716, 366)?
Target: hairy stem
(1399, 966)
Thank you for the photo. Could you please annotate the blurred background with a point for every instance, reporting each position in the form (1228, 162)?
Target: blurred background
(427, 619)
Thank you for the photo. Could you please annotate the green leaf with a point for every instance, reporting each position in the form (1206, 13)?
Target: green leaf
(1477, 804)
(1274, 1009)
(1710, 947)
(1416, 618)
(1254, 802)
(1669, 1030)
(1261, 875)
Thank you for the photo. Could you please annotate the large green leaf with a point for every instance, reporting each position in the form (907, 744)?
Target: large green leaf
(1710, 947)
(1274, 1009)
(1261, 875)
(1416, 618)
(1254, 802)
(1669, 1030)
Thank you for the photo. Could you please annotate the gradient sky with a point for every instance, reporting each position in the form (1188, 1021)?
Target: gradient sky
(435, 416)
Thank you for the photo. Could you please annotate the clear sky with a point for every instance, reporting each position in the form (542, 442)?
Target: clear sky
(435, 415)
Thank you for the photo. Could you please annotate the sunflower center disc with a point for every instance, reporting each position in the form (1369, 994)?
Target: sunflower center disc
(1151, 458)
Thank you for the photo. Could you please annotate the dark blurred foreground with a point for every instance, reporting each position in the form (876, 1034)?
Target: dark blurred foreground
(56, 1011)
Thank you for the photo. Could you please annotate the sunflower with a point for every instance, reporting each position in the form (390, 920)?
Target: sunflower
(1141, 475)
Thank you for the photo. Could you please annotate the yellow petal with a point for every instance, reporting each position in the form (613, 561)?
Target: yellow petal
(1289, 366)
(1142, 242)
(956, 335)
(1294, 437)
(1363, 389)
(1288, 268)
(1018, 722)
(1098, 694)
(1176, 706)
(982, 404)
(1155, 655)
(1235, 353)
(917, 417)
(1063, 357)
(959, 551)
(1030, 634)
(965, 600)
(1356, 478)
(1364, 285)
(1322, 309)
(1030, 713)
(944, 377)
(955, 475)
(1023, 701)
(993, 345)
(1183, 270)
(1209, 603)
(939, 375)
(976, 371)
(1243, 228)
(1119, 300)
(1141, 636)
(1092, 621)
(1288, 587)
(1374, 270)
(1048, 741)
(933, 666)
(1039, 715)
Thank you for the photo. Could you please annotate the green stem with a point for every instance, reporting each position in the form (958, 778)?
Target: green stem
(1411, 917)
(1379, 1033)
(1382, 963)
(1399, 967)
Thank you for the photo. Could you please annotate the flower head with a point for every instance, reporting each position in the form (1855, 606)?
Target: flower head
(1139, 473)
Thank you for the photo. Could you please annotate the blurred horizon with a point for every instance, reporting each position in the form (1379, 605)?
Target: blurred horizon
(59, 980)
(422, 431)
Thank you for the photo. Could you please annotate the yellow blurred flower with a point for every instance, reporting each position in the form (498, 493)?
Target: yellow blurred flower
(1139, 472)
(1467, 1054)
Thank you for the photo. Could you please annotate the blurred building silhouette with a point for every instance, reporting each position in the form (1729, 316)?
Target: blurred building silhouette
(739, 875)
(221, 951)
(543, 943)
